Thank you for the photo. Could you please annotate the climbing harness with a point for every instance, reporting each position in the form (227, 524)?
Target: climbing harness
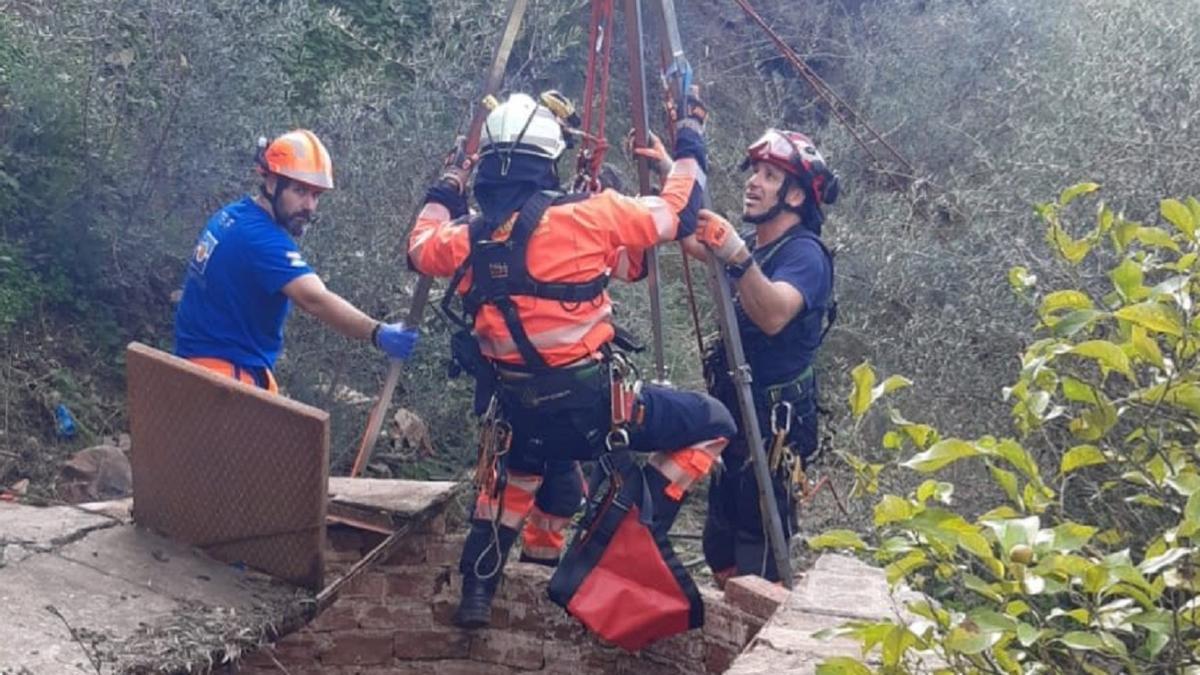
(499, 271)
(627, 411)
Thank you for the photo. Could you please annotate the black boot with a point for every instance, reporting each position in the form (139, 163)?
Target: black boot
(482, 565)
(475, 607)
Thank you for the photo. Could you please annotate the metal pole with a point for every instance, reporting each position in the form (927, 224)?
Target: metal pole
(641, 127)
(735, 356)
(491, 84)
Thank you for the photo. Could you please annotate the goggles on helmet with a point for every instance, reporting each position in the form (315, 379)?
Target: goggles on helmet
(796, 154)
(785, 149)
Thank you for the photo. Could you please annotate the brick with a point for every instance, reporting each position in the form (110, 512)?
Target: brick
(718, 659)
(443, 610)
(261, 659)
(565, 658)
(408, 551)
(729, 624)
(358, 648)
(432, 644)
(271, 669)
(339, 617)
(687, 648)
(520, 595)
(464, 667)
(434, 525)
(444, 552)
(370, 585)
(404, 584)
(601, 657)
(755, 595)
(517, 650)
(298, 648)
(405, 617)
(400, 668)
(292, 669)
(630, 664)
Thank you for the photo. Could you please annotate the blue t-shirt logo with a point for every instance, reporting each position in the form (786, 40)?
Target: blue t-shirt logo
(204, 250)
(233, 304)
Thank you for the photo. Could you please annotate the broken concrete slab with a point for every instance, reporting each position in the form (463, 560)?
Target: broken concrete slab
(836, 590)
(400, 498)
(45, 527)
(119, 599)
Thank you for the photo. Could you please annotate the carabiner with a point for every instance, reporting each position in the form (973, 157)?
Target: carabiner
(787, 418)
(617, 440)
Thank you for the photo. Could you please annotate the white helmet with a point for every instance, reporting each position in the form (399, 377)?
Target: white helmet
(520, 125)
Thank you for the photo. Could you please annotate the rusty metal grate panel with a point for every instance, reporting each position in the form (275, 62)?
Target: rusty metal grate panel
(227, 467)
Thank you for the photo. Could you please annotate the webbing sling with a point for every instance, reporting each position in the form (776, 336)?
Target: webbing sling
(500, 270)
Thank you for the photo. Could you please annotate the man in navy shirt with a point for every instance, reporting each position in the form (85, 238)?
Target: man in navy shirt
(246, 271)
(782, 278)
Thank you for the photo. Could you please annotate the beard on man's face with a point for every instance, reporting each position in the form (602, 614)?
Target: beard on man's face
(297, 222)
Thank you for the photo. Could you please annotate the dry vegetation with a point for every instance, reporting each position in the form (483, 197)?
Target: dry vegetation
(122, 125)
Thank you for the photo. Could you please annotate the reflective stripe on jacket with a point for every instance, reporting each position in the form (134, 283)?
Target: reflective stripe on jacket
(574, 242)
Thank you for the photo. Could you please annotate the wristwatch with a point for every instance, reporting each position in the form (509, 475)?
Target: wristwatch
(736, 270)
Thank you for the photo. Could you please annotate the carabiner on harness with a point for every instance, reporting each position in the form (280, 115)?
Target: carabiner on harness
(624, 391)
(495, 440)
(786, 427)
(780, 452)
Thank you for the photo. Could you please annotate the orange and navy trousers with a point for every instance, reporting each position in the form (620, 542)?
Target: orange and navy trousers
(684, 432)
(262, 378)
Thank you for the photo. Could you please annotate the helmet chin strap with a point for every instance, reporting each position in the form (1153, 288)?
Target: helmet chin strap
(281, 182)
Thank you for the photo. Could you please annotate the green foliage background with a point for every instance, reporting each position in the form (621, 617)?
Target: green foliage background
(123, 125)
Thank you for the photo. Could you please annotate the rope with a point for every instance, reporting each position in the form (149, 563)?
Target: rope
(843, 111)
(595, 102)
(669, 109)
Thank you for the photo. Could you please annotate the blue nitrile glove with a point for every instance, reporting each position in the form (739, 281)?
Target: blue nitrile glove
(395, 340)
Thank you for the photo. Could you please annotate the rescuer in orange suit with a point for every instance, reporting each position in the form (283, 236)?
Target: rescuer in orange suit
(537, 331)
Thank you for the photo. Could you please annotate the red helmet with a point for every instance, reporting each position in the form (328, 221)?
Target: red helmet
(796, 154)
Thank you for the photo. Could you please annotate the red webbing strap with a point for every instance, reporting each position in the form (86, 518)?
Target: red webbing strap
(595, 101)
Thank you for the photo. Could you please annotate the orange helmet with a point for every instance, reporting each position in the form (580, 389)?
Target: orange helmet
(300, 156)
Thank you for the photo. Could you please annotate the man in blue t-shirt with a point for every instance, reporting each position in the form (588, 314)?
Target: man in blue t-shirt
(246, 271)
(782, 279)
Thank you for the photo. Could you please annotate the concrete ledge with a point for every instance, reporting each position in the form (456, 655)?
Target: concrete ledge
(836, 590)
(87, 593)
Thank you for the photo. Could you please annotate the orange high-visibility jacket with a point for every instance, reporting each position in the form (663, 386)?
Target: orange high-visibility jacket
(573, 243)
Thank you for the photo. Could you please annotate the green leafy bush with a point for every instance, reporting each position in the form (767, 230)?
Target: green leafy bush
(1087, 560)
(20, 290)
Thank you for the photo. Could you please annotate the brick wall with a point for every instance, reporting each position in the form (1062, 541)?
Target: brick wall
(395, 619)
